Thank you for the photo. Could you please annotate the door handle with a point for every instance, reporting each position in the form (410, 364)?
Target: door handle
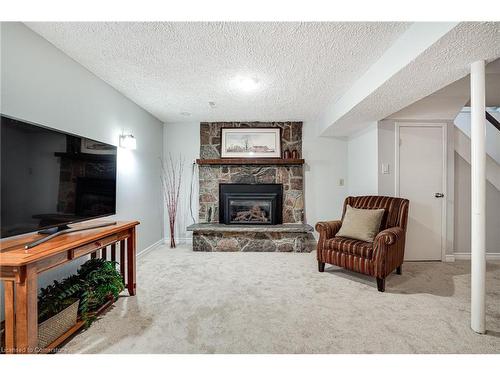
(439, 195)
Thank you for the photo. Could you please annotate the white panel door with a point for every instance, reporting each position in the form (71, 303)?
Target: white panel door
(421, 172)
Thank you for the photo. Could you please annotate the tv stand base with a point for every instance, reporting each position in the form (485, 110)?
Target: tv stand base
(54, 230)
(69, 230)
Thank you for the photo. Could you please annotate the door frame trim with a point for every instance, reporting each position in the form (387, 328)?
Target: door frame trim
(444, 205)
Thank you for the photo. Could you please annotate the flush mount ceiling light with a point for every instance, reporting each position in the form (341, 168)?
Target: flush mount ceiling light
(246, 84)
(128, 142)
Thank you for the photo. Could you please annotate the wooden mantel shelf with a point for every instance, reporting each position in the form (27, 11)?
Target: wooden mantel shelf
(250, 161)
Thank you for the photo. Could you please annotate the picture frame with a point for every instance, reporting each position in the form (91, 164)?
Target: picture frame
(89, 146)
(251, 143)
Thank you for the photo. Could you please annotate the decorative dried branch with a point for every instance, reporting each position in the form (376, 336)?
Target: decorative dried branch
(171, 179)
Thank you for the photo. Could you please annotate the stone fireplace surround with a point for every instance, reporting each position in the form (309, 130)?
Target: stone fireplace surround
(209, 235)
(210, 176)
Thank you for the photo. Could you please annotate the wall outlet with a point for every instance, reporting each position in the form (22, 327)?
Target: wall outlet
(341, 182)
(385, 168)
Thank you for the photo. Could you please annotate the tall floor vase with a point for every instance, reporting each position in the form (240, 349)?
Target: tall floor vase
(171, 178)
(172, 234)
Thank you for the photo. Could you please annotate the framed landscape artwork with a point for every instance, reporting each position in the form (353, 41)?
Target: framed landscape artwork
(251, 143)
(89, 146)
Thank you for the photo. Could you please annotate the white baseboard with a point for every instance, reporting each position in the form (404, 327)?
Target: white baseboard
(466, 256)
(149, 248)
(189, 241)
(449, 258)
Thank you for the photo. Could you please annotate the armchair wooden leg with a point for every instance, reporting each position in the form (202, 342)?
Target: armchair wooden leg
(321, 266)
(399, 270)
(380, 284)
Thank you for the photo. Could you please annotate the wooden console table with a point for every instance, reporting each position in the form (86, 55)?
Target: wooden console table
(19, 269)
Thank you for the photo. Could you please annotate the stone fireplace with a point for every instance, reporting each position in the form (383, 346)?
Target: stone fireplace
(252, 205)
(290, 176)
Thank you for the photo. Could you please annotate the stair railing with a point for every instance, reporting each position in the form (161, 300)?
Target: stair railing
(493, 121)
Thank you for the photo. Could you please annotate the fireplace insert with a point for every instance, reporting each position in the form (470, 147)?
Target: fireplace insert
(250, 204)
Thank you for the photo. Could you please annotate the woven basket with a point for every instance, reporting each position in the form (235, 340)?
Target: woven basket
(56, 325)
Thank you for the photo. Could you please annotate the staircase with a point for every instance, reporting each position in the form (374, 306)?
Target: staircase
(463, 148)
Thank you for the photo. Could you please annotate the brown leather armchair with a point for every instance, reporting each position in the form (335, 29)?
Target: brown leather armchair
(379, 258)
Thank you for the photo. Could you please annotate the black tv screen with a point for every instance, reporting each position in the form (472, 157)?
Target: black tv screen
(50, 178)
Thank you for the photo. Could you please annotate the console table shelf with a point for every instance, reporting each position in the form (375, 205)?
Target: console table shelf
(20, 267)
(250, 161)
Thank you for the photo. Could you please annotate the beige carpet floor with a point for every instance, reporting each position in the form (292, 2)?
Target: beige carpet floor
(191, 302)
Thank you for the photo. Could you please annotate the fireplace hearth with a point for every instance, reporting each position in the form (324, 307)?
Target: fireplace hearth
(251, 204)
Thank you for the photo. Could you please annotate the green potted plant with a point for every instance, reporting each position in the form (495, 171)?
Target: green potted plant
(102, 282)
(96, 282)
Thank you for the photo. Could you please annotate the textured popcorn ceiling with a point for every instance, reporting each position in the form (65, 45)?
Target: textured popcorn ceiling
(169, 68)
(447, 102)
(441, 64)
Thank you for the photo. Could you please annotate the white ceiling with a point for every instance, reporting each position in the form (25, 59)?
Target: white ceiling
(442, 62)
(168, 68)
(447, 102)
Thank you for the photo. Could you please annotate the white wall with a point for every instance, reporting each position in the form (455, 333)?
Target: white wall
(462, 220)
(462, 121)
(386, 156)
(183, 139)
(41, 84)
(462, 238)
(362, 159)
(325, 165)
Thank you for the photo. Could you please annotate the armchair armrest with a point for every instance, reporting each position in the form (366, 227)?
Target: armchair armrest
(389, 236)
(388, 250)
(328, 229)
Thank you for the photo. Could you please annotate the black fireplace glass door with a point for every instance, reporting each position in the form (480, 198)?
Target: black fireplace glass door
(251, 204)
(250, 211)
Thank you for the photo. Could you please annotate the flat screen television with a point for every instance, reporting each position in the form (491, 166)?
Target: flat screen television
(50, 179)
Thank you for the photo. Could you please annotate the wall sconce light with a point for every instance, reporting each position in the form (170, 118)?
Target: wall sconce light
(128, 142)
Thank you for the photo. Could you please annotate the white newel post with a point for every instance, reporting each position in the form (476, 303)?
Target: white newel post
(478, 196)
